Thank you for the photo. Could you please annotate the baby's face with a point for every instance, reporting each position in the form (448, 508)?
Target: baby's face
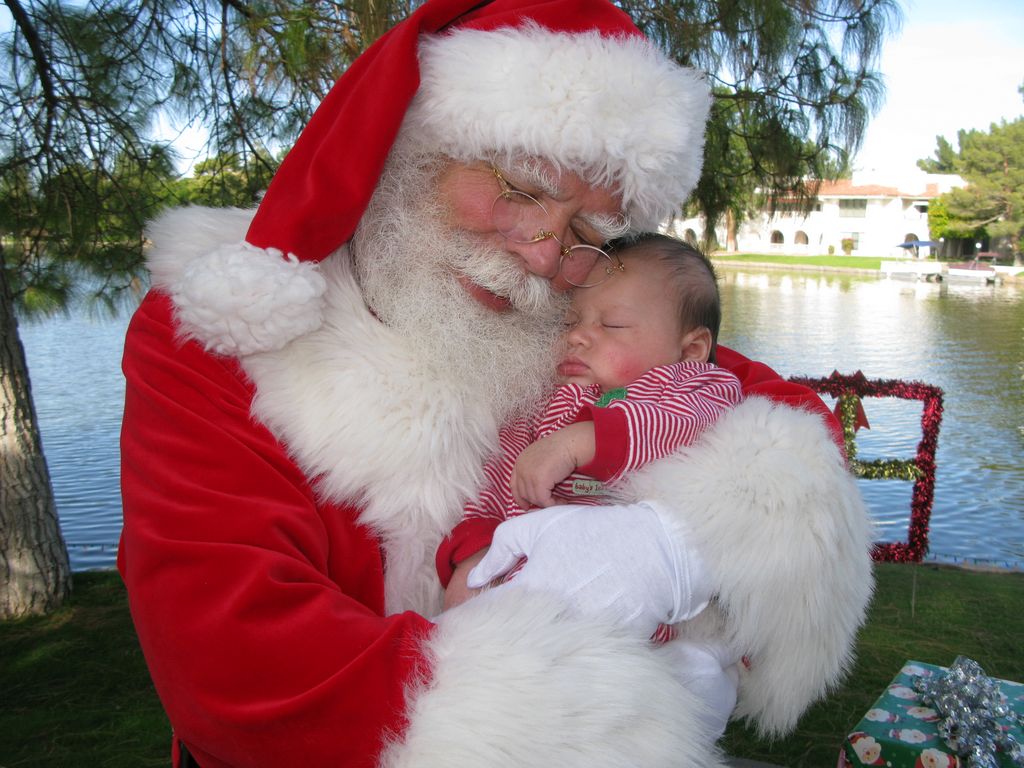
(618, 330)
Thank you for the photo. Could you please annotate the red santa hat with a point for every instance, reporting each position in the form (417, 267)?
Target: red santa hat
(570, 81)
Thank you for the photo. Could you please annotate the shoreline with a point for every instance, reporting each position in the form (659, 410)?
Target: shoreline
(775, 266)
(973, 565)
(977, 565)
(720, 258)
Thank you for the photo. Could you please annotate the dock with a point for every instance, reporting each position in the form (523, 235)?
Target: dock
(924, 270)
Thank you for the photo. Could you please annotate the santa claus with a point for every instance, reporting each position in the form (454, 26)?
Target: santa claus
(313, 389)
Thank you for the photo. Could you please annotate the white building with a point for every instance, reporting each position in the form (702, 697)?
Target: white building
(875, 213)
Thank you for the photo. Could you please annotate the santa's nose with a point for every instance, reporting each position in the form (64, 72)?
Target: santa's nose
(542, 257)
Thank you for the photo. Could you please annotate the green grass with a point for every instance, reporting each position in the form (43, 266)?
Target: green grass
(840, 262)
(923, 612)
(74, 689)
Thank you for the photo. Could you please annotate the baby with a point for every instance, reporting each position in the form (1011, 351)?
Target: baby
(638, 381)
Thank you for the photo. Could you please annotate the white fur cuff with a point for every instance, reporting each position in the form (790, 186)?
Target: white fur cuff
(520, 682)
(785, 536)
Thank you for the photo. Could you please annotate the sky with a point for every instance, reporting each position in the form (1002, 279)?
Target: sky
(954, 64)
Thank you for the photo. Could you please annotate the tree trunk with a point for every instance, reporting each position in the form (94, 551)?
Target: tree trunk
(35, 575)
(730, 231)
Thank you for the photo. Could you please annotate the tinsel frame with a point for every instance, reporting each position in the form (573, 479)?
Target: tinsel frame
(848, 391)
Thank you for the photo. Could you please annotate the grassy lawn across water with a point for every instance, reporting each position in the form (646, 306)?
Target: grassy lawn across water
(75, 691)
(867, 263)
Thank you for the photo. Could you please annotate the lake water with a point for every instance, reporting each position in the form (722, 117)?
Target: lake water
(968, 340)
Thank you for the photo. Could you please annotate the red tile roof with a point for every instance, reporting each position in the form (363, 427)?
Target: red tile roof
(846, 188)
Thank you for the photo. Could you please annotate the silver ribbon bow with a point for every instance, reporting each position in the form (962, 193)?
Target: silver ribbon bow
(971, 708)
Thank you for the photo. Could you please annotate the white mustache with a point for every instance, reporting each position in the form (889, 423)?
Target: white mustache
(500, 274)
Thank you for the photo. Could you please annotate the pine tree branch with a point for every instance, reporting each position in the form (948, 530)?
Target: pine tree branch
(43, 68)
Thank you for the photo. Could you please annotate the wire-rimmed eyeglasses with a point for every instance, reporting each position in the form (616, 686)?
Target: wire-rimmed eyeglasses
(522, 218)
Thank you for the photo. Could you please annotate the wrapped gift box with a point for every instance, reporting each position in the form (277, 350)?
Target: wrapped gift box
(900, 730)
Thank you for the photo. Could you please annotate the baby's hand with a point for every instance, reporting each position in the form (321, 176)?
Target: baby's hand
(547, 462)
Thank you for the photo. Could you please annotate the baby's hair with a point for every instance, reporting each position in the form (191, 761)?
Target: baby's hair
(693, 274)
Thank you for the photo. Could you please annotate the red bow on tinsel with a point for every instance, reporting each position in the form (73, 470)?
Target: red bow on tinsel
(860, 418)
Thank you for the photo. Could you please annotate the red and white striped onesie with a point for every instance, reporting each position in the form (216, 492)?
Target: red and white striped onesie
(667, 407)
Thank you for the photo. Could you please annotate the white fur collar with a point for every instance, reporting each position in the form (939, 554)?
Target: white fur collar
(338, 396)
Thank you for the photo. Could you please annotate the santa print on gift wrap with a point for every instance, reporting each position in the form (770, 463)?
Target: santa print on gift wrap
(868, 750)
(935, 758)
(848, 391)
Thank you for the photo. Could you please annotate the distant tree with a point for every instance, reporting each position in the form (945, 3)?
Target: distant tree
(735, 187)
(228, 180)
(731, 190)
(944, 160)
(794, 84)
(992, 204)
(942, 227)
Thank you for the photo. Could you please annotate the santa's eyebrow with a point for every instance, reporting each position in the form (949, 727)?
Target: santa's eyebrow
(539, 177)
(530, 171)
(608, 226)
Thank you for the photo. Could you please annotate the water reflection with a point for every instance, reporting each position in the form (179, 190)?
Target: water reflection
(967, 339)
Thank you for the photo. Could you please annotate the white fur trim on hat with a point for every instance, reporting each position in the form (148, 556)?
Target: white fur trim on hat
(232, 297)
(616, 110)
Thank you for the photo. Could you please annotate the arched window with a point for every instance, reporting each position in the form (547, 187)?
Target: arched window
(777, 238)
(800, 238)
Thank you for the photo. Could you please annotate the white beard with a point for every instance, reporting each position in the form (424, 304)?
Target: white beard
(397, 414)
(406, 260)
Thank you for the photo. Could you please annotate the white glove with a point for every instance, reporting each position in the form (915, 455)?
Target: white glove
(620, 560)
(711, 673)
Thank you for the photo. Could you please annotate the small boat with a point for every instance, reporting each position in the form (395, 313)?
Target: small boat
(971, 271)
